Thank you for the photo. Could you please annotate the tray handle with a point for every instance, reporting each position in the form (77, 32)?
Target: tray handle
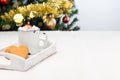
(16, 62)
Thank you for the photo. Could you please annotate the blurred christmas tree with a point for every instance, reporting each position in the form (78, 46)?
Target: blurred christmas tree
(45, 14)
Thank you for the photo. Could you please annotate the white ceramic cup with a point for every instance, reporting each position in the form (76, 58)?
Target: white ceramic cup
(32, 40)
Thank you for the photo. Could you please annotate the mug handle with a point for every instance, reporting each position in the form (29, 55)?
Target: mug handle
(45, 41)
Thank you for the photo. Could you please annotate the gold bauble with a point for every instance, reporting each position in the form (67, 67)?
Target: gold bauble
(18, 18)
(40, 24)
(6, 27)
(51, 23)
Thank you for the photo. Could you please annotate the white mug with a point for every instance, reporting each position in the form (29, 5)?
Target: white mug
(32, 40)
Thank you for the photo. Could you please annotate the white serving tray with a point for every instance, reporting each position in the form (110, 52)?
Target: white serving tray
(20, 64)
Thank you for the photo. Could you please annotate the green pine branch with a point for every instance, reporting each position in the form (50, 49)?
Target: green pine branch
(73, 22)
(76, 28)
(73, 12)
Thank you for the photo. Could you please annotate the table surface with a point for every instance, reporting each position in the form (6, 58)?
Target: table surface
(81, 55)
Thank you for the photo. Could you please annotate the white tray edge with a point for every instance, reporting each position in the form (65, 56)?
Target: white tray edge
(24, 65)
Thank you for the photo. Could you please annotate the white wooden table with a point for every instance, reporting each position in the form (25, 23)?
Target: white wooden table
(80, 56)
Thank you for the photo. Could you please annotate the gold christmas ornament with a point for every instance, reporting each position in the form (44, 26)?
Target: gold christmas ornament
(6, 27)
(40, 24)
(51, 23)
(18, 18)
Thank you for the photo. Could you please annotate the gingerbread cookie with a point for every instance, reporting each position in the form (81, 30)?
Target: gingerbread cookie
(20, 51)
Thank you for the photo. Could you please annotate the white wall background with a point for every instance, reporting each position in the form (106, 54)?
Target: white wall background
(99, 14)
